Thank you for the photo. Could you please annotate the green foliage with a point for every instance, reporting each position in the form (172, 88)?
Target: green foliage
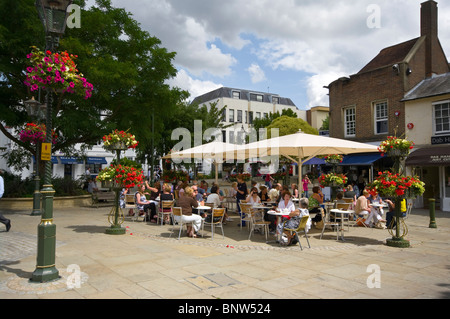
(16, 187)
(289, 125)
(127, 66)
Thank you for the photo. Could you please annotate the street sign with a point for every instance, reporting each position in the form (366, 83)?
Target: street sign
(46, 151)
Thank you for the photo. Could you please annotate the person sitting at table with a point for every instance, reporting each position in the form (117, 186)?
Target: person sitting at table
(274, 192)
(350, 193)
(198, 197)
(142, 204)
(284, 189)
(253, 197)
(165, 195)
(390, 215)
(294, 189)
(286, 203)
(363, 205)
(314, 204)
(295, 217)
(187, 202)
(215, 198)
(263, 194)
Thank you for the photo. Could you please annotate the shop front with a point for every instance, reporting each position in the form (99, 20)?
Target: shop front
(432, 165)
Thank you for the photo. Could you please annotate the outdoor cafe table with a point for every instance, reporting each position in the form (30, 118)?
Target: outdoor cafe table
(378, 206)
(279, 215)
(342, 214)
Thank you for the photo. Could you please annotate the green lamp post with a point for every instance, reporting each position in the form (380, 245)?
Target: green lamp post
(37, 111)
(53, 15)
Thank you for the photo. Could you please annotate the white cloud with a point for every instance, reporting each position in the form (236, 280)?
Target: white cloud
(322, 38)
(195, 87)
(256, 73)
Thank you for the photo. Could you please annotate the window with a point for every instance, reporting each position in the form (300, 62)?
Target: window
(250, 117)
(236, 95)
(266, 115)
(381, 118)
(231, 136)
(246, 117)
(442, 117)
(275, 100)
(231, 116)
(258, 115)
(350, 122)
(256, 97)
(224, 136)
(239, 116)
(224, 115)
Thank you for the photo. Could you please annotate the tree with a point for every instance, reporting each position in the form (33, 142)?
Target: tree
(266, 121)
(126, 65)
(289, 125)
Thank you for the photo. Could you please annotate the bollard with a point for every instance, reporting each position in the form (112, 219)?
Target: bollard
(432, 204)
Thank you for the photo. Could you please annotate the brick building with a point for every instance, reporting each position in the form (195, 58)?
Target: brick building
(368, 106)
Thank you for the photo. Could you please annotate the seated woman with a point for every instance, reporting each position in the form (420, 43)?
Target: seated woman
(295, 217)
(216, 199)
(187, 202)
(253, 197)
(263, 194)
(285, 204)
(142, 204)
(165, 195)
(315, 202)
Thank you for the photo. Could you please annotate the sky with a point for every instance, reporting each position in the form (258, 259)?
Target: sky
(292, 48)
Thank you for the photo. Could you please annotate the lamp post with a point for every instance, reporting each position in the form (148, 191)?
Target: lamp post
(53, 15)
(36, 111)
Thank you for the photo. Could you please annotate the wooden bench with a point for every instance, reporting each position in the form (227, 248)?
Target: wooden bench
(103, 198)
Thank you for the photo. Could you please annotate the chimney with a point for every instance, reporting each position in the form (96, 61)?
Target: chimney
(429, 29)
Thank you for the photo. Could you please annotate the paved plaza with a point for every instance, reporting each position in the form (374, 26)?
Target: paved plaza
(147, 263)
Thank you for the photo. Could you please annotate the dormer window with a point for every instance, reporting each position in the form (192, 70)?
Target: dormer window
(236, 95)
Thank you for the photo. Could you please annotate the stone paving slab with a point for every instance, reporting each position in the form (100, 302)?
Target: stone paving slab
(148, 263)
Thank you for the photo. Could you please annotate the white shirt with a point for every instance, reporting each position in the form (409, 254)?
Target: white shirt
(290, 205)
(214, 198)
(2, 187)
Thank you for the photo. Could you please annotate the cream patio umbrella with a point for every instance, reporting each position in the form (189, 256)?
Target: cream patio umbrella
(301, 147)
(217, 151)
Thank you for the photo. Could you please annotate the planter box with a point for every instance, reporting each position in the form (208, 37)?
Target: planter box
(58, 202)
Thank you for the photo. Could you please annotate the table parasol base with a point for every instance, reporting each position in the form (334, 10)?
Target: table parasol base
(397, 242)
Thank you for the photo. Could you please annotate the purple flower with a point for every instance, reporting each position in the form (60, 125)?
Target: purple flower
(30, 69)
(34, 87)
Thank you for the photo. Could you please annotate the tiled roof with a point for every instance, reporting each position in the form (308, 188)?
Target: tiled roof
(226, 92)
(434, 86)
(390, 56)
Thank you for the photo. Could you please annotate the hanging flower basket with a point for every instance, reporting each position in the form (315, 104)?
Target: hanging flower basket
(332, 180)
(35, 133)
(392, 185)
(333, 158)
(395, 147)
(121, 176)
(119, 140)
(56, 71)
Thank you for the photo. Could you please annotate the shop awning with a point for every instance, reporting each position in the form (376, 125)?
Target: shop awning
(96, 160)
(315, 161)
(430, 156)
(360, 159)
(70, 160)
(54, 160)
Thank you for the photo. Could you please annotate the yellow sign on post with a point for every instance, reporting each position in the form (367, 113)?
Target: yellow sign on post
(46, 151)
